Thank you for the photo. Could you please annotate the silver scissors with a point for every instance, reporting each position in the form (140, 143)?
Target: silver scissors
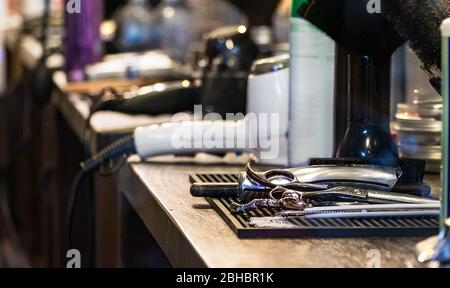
(285, 199)
(257, 185)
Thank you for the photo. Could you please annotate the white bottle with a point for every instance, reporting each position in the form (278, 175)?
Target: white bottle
(268, 102)
(311, 123)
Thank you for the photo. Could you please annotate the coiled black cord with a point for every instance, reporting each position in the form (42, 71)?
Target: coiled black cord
(123, 146)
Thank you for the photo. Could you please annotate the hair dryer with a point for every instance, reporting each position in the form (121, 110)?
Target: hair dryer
(221, 86)
(369, 41)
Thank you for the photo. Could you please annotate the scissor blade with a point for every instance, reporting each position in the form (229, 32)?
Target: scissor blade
(366, 211)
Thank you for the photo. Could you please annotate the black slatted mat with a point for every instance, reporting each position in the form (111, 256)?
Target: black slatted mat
(299, 227)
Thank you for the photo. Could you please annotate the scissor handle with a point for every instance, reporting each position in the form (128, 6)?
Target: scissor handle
(215, 190)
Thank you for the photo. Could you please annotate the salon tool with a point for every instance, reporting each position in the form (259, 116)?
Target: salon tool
(410, 182)
(222, 83)
(365, 211)
(252, 184)
(333, 198)
(267, 94)
(187, 138)
(157, 99)
(263, 223)
(358, 33)
(184, 138)
(221, 86)
(363, 40)
(311, 114)
(314, 186)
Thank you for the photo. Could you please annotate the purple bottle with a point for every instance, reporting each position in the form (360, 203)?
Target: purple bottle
(83, 43)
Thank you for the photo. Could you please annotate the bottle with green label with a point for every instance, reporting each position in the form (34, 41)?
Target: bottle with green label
(312, 69)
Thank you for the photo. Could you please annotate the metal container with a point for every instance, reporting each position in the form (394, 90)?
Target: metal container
(418, 126)
(422, 111)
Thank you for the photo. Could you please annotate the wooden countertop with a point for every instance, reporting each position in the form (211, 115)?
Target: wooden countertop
(192, 234)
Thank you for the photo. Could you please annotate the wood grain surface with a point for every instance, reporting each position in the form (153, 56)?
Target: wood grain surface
(191, 233)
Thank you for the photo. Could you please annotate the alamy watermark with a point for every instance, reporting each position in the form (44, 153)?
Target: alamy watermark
(73, 7)
(374, 258)
(374, 6)
(73, 259)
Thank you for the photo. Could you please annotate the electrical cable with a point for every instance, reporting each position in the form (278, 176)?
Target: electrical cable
(108, 94)
(71, 202)
(123, 146)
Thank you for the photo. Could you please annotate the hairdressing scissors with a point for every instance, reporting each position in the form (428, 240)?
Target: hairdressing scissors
(257, 185)
(290, 200)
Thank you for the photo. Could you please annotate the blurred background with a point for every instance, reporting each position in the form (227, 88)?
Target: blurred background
(92, 45)
(39, 37)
